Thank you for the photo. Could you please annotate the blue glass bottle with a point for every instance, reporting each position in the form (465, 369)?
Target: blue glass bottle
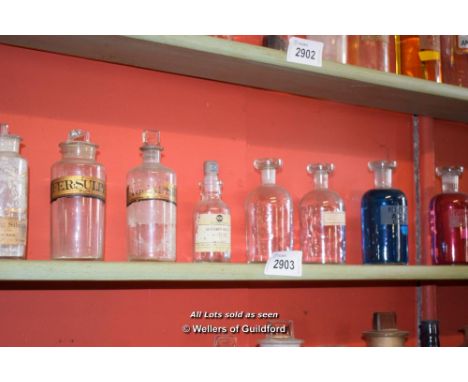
(384, 219)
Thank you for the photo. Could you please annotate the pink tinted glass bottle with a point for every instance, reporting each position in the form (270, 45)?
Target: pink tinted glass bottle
(449, 220)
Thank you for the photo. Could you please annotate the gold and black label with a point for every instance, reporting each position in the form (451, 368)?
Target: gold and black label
(165, 192)
(77, 185)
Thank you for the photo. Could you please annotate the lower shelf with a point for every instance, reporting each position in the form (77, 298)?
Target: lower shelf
(37, 270)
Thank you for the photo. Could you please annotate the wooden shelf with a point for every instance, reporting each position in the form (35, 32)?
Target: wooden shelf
(34, 270)
(237, 63)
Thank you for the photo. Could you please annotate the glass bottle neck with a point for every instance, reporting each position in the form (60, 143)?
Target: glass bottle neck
(321, 180)
(211, 187)
(151, 156)
(383, 178)
(268, 176)
(449, 183)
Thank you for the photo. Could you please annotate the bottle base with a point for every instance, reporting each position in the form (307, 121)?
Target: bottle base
(151, 259)
(67, 258)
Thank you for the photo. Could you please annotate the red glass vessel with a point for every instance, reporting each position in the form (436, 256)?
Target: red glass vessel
(455, 60)
(449, 220)
(374, 52)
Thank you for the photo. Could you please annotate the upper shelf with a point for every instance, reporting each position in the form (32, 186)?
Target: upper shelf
(232, 62)
(33, 270)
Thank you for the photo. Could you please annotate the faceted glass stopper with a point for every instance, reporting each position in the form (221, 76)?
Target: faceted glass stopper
(382, 164)
(4, 129)
(151, 140)
(384, 321)
(449, 170)
(210, 167)
(323, 167)
(78, 135)
(8, 142)
(268, 163)
(285, 329)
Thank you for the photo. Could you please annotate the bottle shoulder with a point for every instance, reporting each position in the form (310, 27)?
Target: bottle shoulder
(322, 197)
(151, 169)
(268, 193)
(387, 193)
(454, 198)
(213, 206)
(12, 157)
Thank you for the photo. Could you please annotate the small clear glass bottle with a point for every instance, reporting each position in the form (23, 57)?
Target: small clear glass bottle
(322, 219)
(13, 196)
(151, 205)
(384, 219)
(269, 214)
(78, 192)
(211, 219)
(449, 220)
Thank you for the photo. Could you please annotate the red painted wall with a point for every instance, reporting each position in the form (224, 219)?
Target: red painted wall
(44, 95)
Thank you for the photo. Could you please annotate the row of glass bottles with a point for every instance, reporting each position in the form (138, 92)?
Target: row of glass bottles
(430, 57)
(78, 203)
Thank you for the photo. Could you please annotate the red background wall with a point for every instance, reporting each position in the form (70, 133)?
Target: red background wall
(45, 95)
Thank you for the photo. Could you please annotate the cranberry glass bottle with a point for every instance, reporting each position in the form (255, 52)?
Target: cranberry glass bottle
(77, 201)
(449, 220)
(269, 214)
(384, 219)
(211, 219)
(455, 60)
(322, 218)
(151, 205)
(13, 196)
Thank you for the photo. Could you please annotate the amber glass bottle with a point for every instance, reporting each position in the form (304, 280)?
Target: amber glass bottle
(420, 57)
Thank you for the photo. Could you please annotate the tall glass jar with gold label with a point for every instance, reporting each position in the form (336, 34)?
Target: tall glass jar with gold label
(78, 191)
(13, 196)
(151, 205)
(211, 219)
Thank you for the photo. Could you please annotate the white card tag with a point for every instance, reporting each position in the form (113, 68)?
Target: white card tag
(284, 263)
(302, 51)
(463, 42)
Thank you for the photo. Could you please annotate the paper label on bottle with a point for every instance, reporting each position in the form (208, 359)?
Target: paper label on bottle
(284, 263)
(12, 231)
(333, 218)
(302, 51)
(393, 215)
(429, 55)
(459, 219)
(77, 185)
(462, 42)
(166, 192)
(213, 233)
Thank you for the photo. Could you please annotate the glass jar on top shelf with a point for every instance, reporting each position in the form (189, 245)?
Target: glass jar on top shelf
(211, 220)
(420, 56)
(373, 52)
(78, 192)
(449, 220)
(335, 47)
(269, 214)
(151, 205)
(384, 219)
(455, 60)
(13, 196)
(322, 219)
